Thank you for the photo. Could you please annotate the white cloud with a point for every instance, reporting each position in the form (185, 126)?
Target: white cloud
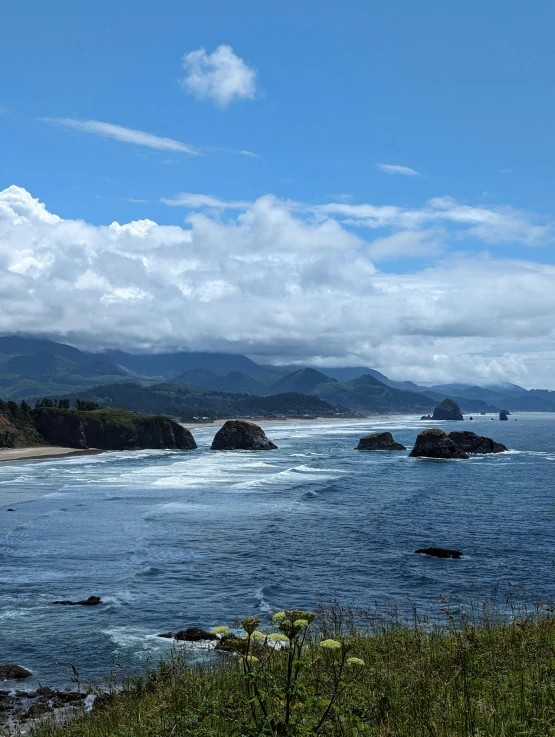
(282, 281)
(196, 201)
(125, 135)
(396, 169)
(221, 76)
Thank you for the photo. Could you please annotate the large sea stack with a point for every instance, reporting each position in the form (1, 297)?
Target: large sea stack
(447, 410)
(379, 441)
(503, 415)
(436, 444)
(241, 435)
(472, 443)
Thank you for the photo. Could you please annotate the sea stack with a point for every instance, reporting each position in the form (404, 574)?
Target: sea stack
(503, 415)
(379, 441)
(447, 410)
(241, 435)
(436, 444)
(472, 443)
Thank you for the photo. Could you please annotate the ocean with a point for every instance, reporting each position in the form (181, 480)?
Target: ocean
(173, 539)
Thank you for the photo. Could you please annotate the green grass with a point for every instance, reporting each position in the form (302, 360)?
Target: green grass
(479, 675)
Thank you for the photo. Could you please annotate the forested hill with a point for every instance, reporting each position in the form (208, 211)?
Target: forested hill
(191, 405)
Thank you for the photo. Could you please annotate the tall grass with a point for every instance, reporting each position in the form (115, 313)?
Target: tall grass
(476, 671)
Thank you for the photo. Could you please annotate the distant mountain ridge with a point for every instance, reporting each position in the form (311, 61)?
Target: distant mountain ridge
(33, 367)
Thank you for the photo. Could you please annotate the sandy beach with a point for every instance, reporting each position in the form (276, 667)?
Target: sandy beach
(42, 452)
(284, 420)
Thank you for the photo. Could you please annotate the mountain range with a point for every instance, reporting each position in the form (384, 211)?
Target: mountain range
(32, 367)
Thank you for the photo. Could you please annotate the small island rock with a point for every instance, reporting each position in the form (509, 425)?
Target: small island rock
(440, 552)
(436, 444)
(472, 443)
(91, 601)
(379, 441)
(13, 672)
(503, 415)
(447, 410)
(193, 634)
(241, 435)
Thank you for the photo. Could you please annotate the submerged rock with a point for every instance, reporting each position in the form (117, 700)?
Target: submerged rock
(440, 552)
(379, 441)
(91, 601)
(194, 634)
(472, 443)
(447, 410)
(436, 444)
(13, 672)
(241, 435)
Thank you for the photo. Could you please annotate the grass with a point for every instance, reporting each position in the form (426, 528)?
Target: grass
(486, 671)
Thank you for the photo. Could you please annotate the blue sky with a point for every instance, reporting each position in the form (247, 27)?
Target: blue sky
(338, 102)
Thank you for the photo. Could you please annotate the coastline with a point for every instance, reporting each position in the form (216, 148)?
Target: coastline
(43, 452)
(283, 420)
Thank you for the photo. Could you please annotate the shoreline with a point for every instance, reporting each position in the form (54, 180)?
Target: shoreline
(283, 420)
(43, 452)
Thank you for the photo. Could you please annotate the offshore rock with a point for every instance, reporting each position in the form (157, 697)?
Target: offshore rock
(503, 415)
(447, 410)
(472, 443)
(440, 552)
(194, 634)
(13, 672)
(379, 441)
(436, 444)
(241, 435)
(91, 601)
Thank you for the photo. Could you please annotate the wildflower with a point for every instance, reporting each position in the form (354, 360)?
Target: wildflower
(219, 630)
(330, 645)
(277, 637)
(250, 624)
(300, 623)
(257, 635)
(355, 661)
(278, 616)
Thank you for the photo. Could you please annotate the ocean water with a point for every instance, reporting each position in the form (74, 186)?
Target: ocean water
(171, 539)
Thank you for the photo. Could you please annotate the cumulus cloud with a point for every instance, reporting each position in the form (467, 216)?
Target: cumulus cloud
(221, 76)
(126, 135)
(278, 281)
(396, 169)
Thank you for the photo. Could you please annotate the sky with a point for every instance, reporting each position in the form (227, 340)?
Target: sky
(334, 182)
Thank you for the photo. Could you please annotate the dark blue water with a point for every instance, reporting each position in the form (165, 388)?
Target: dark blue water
(173, 539)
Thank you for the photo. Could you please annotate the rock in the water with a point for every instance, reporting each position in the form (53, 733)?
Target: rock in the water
(503, 415)
(426, 417)
(13, 672)
(440, 552)
(194, 634)
(166, 635)
(472, 443)
(91, 601)
(447, 410)
(436, 444)
(241, 435)
(379, 441)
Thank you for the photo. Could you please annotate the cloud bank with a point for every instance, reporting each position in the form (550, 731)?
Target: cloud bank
(288, 282)
(221, 76)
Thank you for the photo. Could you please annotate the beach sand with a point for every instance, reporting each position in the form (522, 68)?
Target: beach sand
(42, 452)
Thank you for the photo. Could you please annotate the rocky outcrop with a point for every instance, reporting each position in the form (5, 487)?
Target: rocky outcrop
(503, 415)
(241, 435)
(91, 601)
(110, 429)
(194, 634)
(440, 552)
(13, 672)
(436, 444)
(472, 443)
(447, 410)
(426, 417)
(379, 441)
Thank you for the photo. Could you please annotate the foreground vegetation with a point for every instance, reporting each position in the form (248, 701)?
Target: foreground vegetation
(348, 673)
